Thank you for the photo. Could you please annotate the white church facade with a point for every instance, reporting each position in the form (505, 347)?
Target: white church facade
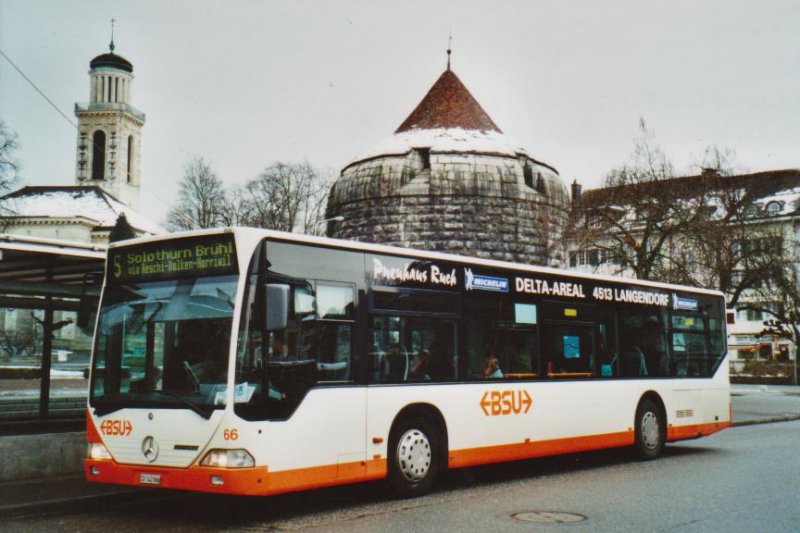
(107, 177)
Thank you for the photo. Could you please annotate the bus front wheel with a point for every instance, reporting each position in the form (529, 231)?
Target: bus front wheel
(413, 457)
(650, 433)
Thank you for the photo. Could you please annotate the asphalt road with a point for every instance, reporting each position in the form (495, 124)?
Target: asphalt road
(744, 479)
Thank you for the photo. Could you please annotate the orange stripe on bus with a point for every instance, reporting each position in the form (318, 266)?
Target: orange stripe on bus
(260, 481)
(246, 481)
(696, 430)
(542, 448)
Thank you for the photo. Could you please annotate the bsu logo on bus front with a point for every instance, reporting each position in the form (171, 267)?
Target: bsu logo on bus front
(506, 402)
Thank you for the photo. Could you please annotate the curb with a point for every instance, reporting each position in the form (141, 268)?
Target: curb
(768, 420)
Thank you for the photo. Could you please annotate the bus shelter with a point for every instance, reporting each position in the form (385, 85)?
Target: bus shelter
(48, 296)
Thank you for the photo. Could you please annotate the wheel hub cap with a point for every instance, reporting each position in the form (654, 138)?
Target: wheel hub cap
(650, 432)
(414, 455)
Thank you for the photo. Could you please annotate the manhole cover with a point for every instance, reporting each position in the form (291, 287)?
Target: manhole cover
(548, 517)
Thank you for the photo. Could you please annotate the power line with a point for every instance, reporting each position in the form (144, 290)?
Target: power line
(38, 90)
(74, 125)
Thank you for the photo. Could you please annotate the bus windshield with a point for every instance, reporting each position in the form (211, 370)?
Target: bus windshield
(164, 343)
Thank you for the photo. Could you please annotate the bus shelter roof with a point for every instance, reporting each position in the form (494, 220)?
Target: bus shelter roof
(48, 267)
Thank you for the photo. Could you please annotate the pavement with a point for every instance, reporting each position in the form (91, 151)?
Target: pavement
(752, 404)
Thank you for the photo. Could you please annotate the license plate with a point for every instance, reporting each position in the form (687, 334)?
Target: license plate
(150, 479)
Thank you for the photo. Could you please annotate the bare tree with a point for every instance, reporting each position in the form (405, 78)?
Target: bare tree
(287, 197)
(201, 198)
(8, 162)
(727, 247)
(778, 295)
(237, 208)
(641, 210)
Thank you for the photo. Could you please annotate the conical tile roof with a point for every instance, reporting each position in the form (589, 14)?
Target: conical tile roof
(448, 105)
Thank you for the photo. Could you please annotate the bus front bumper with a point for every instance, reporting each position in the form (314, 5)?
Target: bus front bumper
(247, 481)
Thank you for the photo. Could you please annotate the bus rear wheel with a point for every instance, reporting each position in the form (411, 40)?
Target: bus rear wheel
(413, 457)
(650, 433)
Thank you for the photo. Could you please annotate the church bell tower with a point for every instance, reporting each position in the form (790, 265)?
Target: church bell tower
(110, 130)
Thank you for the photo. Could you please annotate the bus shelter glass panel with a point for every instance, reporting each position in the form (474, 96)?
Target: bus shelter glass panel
(69, 377)
(21, 336)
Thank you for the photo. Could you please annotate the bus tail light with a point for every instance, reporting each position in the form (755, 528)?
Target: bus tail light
(97, 451)
(228, 459)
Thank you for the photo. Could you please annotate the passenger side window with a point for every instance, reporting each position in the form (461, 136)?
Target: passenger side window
(500, 339)
(689, 344)
(412, 349)
(568, 350)
(335, 311)
(644, 347)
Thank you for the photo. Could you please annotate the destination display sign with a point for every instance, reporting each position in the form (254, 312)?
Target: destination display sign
(587, 290)
(207, 255)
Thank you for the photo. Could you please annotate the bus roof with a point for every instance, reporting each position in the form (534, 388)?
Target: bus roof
(410, 252)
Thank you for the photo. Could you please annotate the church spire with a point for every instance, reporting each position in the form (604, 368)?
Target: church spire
(111, 45)
(449, 49)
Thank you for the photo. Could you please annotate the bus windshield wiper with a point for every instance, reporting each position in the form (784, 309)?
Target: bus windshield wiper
(205, 413)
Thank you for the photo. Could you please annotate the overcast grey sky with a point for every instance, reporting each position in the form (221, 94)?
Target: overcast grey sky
(247, 83)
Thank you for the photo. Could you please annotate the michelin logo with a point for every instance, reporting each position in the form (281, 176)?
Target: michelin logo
(484, 283)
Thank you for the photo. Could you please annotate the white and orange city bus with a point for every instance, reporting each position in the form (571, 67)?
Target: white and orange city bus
(256, 362)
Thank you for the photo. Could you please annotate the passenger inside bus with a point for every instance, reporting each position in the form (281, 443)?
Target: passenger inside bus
(420, 367)
(491, 368)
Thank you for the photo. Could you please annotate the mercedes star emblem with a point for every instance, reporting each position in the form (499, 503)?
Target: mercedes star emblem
(150, 449)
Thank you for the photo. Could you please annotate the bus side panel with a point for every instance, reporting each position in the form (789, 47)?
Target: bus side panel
(510, 420)
(322, 443)
(702, 406)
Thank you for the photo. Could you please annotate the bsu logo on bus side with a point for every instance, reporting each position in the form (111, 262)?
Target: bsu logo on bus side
(506, 402)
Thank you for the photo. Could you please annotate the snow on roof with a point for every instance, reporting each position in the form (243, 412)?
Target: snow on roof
(456, 140)
(787, 198)
(89, 202)
(448, 119)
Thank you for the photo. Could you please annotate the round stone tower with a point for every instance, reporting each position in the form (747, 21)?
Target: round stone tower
(449, 180)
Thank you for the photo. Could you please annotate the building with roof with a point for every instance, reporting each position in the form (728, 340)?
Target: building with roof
(763, 206)
(52, 252)
(448, 179)
(107, 168)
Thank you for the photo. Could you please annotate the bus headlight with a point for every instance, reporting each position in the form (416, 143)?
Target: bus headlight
(228, 459)
(98, 451)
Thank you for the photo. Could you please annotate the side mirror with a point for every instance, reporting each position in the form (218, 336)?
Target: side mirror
(277, 306)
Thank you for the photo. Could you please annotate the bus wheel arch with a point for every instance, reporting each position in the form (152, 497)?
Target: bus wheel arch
(650, 427)
(417, 449)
